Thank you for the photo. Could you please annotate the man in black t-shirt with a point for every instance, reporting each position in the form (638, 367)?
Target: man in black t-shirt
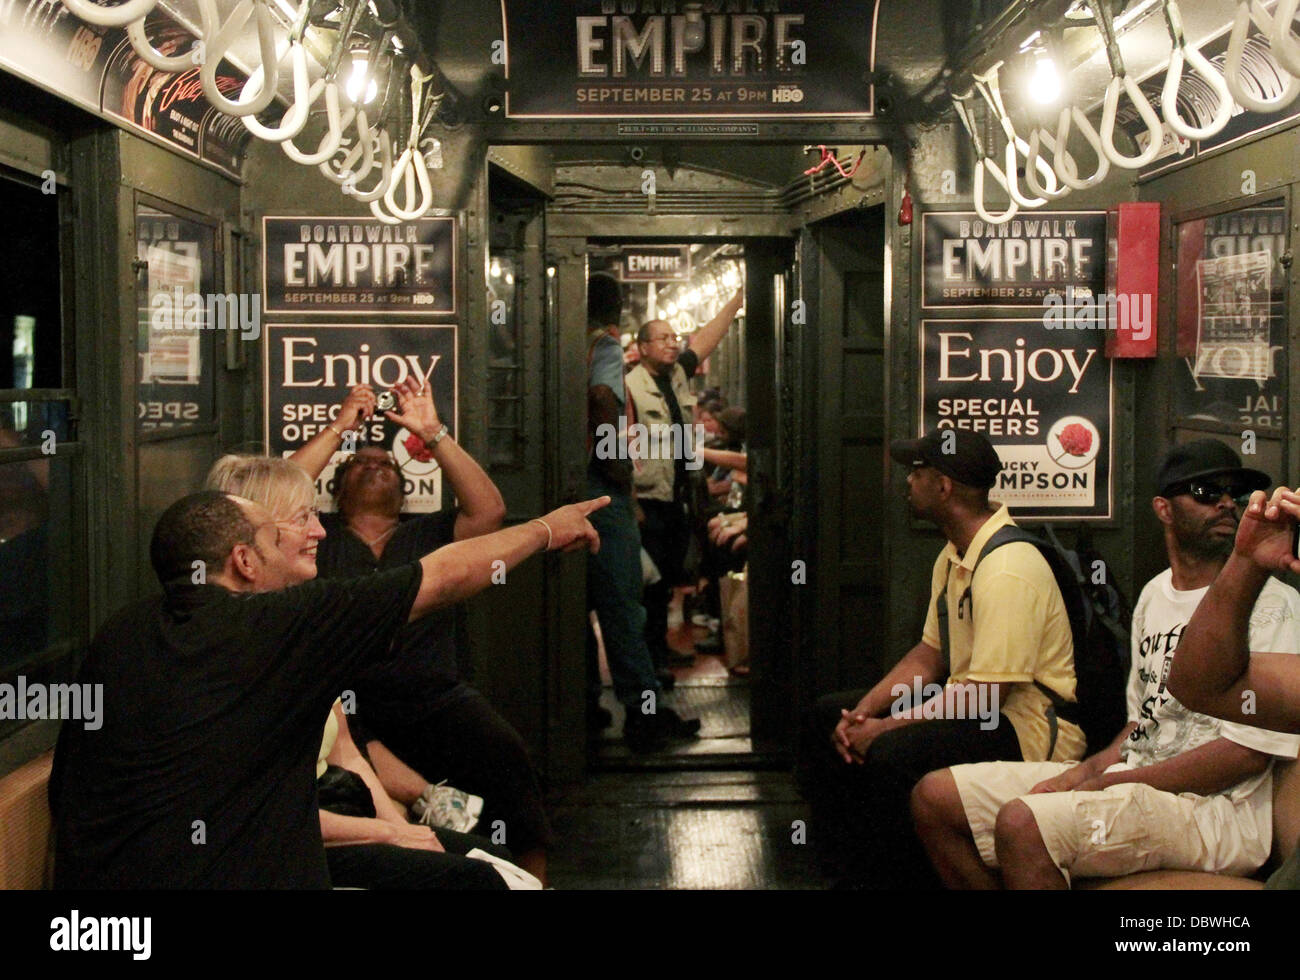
(658, 386)
(203, 772)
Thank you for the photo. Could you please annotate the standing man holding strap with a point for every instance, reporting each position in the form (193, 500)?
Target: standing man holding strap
(614, 578)
(658, 388)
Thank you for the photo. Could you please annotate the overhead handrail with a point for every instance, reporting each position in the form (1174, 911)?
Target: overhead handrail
(1285, 50)
(362, 149)
(190, 58)
(386, 174)
(411, 169)
(336, 120)
(1120, 80)
(295, 118)
(377, 210)
(329, 143)
(1032, 161)
(1063, 163)
(988, 87)
(220, 44)
(982, 163)
(119, 16)
(1248, 10)
(1174, 78)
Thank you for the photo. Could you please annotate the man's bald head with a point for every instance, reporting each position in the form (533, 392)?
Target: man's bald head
(657, 344)
(652, 329)
(203, 527)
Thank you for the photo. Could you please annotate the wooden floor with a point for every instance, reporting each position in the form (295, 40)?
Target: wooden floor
(704, 690)
(675, 830)
(699, 815)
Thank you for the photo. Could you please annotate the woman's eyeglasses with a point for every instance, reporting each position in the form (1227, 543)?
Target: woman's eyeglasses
(302, 519)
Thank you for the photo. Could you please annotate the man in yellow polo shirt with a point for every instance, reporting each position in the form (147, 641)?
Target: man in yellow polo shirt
(978, 694)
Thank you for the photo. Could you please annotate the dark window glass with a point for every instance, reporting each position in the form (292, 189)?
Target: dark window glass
(505, 365)
(31, 340)
(36, 566)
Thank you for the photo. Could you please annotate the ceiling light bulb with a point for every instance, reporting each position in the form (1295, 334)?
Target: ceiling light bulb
(1045, 81)
(359, 81)
(495, 269)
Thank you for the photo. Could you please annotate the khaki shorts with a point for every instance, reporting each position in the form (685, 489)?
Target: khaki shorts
(1120, 830)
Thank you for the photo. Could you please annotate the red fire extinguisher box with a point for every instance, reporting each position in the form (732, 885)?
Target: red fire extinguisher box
(1133, 279)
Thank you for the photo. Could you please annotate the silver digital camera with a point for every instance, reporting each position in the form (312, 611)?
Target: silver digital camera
(386, 401)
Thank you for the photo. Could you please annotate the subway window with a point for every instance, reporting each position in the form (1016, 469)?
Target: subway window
(38, 460)
(505, 377)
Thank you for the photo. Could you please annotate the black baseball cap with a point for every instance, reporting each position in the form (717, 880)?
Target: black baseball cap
(970, 459)
(1205, 458)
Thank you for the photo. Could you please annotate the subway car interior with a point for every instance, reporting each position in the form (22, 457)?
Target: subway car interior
(310, 297)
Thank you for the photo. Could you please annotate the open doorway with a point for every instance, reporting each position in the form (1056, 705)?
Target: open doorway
(566, 212)
(682, 333)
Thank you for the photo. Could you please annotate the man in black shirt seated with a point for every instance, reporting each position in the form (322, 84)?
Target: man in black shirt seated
(203, 772)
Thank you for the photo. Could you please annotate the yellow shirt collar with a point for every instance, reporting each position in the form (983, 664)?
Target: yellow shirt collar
(1001, 518)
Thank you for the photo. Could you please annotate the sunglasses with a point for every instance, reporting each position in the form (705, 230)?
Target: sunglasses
(1205, 492)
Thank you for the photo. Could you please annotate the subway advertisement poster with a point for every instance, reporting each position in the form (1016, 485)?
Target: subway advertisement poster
(340, 265)
(969, 262)
(596, 59)
(1044, 398)
(310, 368)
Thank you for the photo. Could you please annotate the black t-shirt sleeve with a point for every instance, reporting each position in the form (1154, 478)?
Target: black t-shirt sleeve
(690, 362)
(329, 627)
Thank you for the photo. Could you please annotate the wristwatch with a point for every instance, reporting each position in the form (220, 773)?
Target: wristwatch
(440, 435)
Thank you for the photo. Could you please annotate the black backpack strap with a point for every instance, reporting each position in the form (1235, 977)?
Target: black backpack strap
(941, 611)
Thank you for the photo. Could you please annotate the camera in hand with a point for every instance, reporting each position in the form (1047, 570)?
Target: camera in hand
(386, 401)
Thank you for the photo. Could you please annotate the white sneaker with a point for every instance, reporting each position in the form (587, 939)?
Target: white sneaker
(446, 806)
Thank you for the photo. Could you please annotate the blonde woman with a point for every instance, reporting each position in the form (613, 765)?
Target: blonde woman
(370, 844)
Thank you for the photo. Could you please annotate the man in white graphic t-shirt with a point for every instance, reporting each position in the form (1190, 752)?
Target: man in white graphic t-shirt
(1220, 670)
(1176, 789)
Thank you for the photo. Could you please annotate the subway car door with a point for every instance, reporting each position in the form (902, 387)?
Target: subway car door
(842, 358)
(514, 665)
(773, 576)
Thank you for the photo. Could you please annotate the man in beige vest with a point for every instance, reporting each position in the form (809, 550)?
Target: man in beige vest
(658, 386)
